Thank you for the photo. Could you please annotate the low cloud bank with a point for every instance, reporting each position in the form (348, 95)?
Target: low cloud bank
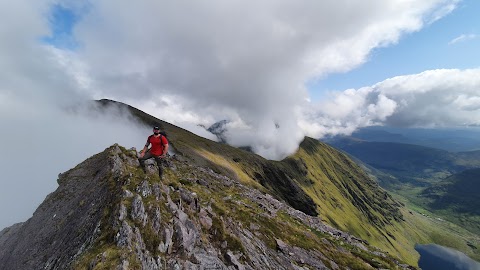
(434, 98)
(50, 140)
(248, 62)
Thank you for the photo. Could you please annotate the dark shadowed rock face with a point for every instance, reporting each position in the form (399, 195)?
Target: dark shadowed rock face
(219, 129)
(65, 223)
(108, 214)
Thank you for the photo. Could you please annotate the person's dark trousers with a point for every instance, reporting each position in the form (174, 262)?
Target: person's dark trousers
(158, 159)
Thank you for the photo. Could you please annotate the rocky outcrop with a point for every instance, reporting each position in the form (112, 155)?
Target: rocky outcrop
(219, 129)
(108, 214)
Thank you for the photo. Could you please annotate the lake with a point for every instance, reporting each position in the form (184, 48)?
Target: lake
(435, 257)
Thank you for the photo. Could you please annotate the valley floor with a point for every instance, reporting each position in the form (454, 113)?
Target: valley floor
(432, 228)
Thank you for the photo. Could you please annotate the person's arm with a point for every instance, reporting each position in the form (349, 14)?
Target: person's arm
(165, 146)
(145, 148)
(165, 150)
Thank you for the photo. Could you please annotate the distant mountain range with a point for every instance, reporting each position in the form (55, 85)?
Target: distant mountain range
(452, 140)
(432, 178)
(218, 129)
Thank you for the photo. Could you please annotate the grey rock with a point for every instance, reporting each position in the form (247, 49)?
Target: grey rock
(133, 154)
(156, 220)
(144, 189)
(186, 233)
(124, 235)
(227, 182)
(174, 265)
(7, 233)
(127, 193)
(157, 191)
(254, 227)
(188, 265)
(115, 149)
(125, 265)
(142, 254)
(190, 199)
(281, 245)
(186, 196)
(151, 166)
(202, 182)
(166, 247)
(205, 220)
(117, 162)
(234, 260)
(166, 189)
(334, 265)
(122, 213)
(311, 258)
(163, 248)
(171, 205)
(209, 261)
(138, 210)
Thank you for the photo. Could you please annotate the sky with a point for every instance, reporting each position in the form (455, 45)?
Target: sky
(448, 43)
(277, 70)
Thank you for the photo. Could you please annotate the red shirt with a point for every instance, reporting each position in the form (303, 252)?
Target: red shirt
(158, 144)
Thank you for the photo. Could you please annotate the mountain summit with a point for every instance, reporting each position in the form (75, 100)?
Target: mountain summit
(108, 214)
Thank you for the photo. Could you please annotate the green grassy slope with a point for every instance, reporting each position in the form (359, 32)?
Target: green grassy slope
(459, 191)
(243, 221)
(436, 180)
(402, 160)
(317, 180)
(457, 198)
(414, 164)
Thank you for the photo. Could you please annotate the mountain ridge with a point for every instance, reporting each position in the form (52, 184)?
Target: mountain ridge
(449, 139)
(318, 180)
(128, 220)
(324, 183)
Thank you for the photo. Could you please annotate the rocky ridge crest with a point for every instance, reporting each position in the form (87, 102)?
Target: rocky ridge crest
(108, 214)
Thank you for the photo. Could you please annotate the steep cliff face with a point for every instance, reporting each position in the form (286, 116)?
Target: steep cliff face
(65, 223)
(108, 214)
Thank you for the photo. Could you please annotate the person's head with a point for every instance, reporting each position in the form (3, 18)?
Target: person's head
(156, 130)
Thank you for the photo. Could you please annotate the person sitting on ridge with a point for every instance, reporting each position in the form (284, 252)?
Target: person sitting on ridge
(158, 151)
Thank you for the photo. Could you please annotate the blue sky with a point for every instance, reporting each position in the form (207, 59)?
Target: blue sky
(429, 48)
(61, 21)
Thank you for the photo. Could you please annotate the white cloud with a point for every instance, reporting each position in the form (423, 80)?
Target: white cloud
(235, 59)
(431, 98)
(434, 98)
(462, 38)
(190, 63)
(39, 139)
